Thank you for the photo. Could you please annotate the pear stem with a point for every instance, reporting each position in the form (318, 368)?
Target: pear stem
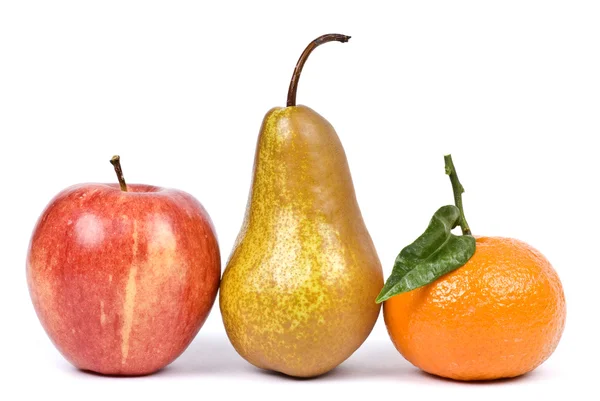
(331, 37)
(116, 162)
(458, 190)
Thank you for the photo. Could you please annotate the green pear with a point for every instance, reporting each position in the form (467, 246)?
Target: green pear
(298, 293)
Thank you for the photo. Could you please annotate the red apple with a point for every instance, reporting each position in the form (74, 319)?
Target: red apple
(123, 280)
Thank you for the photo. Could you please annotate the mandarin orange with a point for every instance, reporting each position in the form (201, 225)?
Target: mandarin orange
(500, 315)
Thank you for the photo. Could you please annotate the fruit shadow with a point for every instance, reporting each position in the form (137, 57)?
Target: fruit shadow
(375, 360)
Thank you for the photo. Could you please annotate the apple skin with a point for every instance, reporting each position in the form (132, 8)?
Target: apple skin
(123, 281)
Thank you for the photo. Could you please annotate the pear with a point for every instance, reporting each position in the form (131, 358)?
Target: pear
(298, 293)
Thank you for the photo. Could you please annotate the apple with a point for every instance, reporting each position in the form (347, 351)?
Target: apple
(122, 277)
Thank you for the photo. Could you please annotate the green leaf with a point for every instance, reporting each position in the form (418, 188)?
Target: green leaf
(436, 252)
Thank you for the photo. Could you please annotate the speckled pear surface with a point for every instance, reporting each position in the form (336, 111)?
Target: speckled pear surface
(298, 293)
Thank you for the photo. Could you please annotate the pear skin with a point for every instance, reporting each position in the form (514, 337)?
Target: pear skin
(298, 293)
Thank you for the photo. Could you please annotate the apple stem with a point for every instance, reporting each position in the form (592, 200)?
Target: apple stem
(458, 190)
(116, 162)
(291, 100)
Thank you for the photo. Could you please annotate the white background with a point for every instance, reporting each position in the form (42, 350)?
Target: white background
(179, 89)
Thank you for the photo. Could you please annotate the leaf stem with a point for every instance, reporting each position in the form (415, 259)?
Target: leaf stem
(291, 100)
(458, 190)
(116, 162)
